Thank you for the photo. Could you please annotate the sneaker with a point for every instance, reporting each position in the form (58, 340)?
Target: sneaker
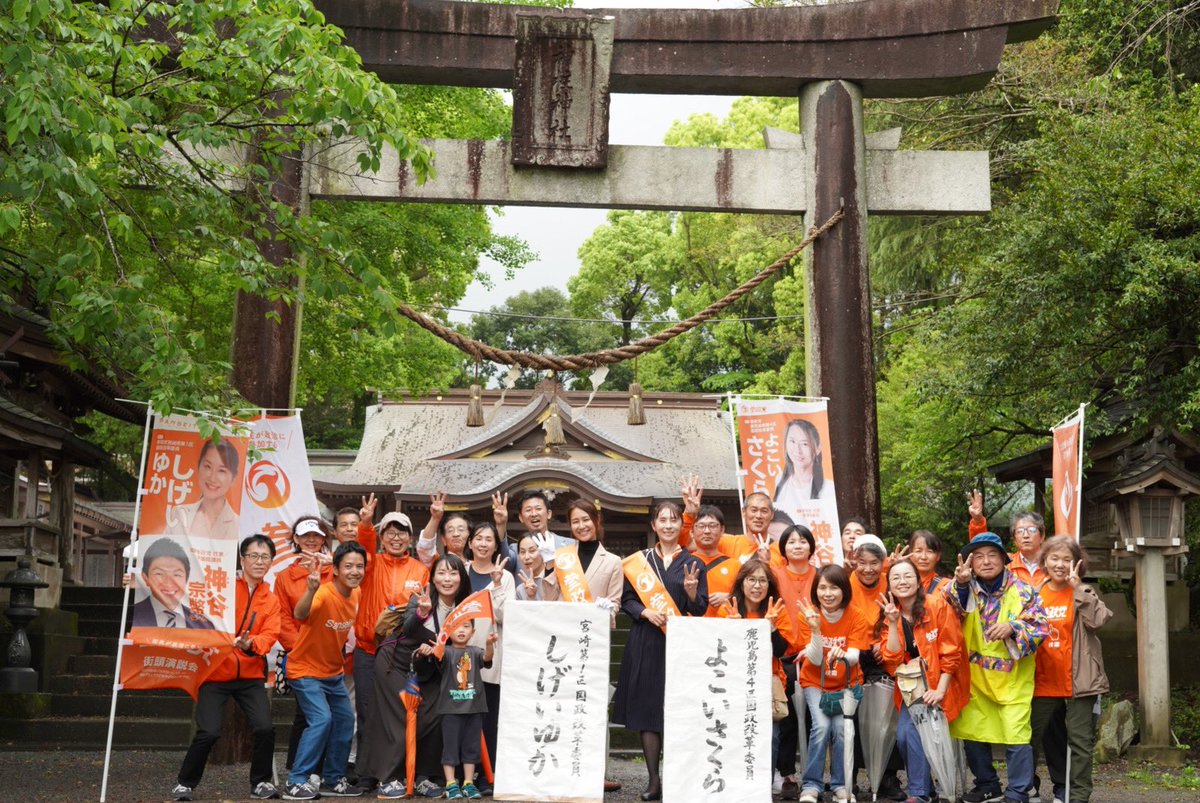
(392, 790)
(299, 791)
(810, 796)
(843, 795)
(978, 795)
(776, 783)
(181, 792)
(264, 790)
(427, 788)
(453, 792)
(789, 791)
(470, 792)
(343, 788)
(611, 785)
(890, 789)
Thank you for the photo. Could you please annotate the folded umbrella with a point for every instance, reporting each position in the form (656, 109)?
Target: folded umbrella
(410, 696)
(940, 749)
(877, 716)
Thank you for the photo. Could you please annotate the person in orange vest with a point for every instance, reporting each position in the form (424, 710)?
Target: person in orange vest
(241, 677)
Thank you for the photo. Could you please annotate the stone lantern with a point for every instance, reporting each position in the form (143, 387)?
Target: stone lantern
(18, 677)
(1146, 501)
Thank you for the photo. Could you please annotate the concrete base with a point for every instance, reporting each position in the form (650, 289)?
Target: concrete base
(1163, 756)
(18, 680)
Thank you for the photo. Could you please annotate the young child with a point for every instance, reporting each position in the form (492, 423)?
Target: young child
(462, 706)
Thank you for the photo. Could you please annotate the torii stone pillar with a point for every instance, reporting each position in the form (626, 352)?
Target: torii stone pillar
(837, 323)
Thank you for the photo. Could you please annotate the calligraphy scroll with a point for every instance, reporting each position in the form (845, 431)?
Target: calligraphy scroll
(554, 710)
(717, 739)
(784, 453)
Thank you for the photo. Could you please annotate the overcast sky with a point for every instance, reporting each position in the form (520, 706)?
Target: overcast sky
(556, 234)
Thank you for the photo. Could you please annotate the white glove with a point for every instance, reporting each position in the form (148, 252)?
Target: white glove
(605, 604)
(545, 545)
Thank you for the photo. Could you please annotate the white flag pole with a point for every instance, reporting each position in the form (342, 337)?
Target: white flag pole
(737, 455)
(137, 511)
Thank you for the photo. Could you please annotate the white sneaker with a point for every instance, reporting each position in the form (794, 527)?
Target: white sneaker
(777, 783)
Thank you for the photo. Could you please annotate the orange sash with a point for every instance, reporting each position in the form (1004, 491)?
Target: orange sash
(649, 588)
(571, 580)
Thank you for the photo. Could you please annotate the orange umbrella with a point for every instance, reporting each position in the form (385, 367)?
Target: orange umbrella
(410, 695)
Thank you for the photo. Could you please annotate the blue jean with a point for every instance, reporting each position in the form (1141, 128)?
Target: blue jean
(1020, 769)
(326, 707)
(920, 779)
(822, 731)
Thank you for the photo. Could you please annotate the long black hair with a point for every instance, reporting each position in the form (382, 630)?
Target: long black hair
(464, 579)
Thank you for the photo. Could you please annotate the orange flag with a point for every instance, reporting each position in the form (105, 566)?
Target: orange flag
(1067, 474)
(476, 606)
(167, 658)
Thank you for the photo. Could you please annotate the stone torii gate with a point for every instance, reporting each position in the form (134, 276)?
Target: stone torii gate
(562, 65)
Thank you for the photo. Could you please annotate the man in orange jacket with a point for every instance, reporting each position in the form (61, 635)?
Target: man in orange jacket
(242, 676)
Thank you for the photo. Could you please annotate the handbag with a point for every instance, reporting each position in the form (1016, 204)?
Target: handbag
(843, 702)
(910, 675)
(779, 703)
(281, 682)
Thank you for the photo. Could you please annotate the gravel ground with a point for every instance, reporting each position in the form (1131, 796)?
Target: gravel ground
(138, 776)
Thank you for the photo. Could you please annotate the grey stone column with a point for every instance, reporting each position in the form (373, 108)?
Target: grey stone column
(838, 340)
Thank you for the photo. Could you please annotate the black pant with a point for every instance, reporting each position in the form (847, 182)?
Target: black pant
(789, 729)
(251, 697)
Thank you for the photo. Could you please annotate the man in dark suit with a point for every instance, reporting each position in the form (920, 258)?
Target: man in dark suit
(165, 569)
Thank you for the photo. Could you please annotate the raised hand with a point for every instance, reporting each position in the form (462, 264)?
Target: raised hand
(545, 545)
(887, 604)
(962, 572)
(775, 607)
(498, 572)
(762, 546)
(691, 580)
(975, 505)
(493, 637)
(424, 603)
(529, 584)
(316, 559)
(437, 505)
(1073, 578)
(900, 552)
(314, 577)
(367, 511)
(730, 611)
(811, 616)
(500, 510)
(692, 493)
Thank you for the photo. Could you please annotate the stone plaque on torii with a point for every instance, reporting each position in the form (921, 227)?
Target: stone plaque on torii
(563, 63)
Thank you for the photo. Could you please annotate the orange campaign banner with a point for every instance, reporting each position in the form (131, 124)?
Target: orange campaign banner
(476, 606)
(185, 569)
(783, 453)
(649, 587)
(1067, 474)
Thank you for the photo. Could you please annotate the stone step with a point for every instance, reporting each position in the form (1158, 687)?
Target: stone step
(100, 645)
(75, 597)
(82, 684)
(167, 705)
(99, 612)
(101, 628)
(89, 733)
(91, 664)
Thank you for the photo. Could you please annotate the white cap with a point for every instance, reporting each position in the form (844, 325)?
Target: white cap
(870, 540)
(396, 518)
(309, 526)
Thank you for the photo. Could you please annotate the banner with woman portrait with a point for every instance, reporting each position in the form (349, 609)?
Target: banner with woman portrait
(783, 453)
(185, 572)
(1067, 473)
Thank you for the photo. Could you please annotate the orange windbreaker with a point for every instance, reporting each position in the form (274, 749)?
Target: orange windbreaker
(388, 581)
(939, 640)
(1014, 558)
(290, 585)
(721, 571)
(263, 607)
(783, 626)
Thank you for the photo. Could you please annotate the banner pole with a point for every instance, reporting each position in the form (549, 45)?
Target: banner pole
(1079, 490)
(737, 456)
(133, 539)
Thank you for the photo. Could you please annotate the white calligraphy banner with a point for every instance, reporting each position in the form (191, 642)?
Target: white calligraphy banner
(553, 731)
(717, 744)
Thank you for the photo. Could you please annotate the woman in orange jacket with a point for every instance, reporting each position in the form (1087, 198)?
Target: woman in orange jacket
(914, 625)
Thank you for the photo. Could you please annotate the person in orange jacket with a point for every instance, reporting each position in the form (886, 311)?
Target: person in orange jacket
(913, 624)
(241, 676)
(310, 541)
(1028, 533)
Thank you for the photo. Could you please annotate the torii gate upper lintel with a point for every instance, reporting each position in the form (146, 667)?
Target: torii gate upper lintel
(563, 63)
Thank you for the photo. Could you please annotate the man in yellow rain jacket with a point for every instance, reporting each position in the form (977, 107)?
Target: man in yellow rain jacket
(1003, 624)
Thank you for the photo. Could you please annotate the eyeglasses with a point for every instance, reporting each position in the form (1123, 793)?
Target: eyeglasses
(255, 557)
(391, 532)
(706, 526)
(756, 581)
(1026, 531)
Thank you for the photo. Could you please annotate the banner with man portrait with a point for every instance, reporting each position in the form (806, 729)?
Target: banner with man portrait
(784, 453)
(185, 572)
